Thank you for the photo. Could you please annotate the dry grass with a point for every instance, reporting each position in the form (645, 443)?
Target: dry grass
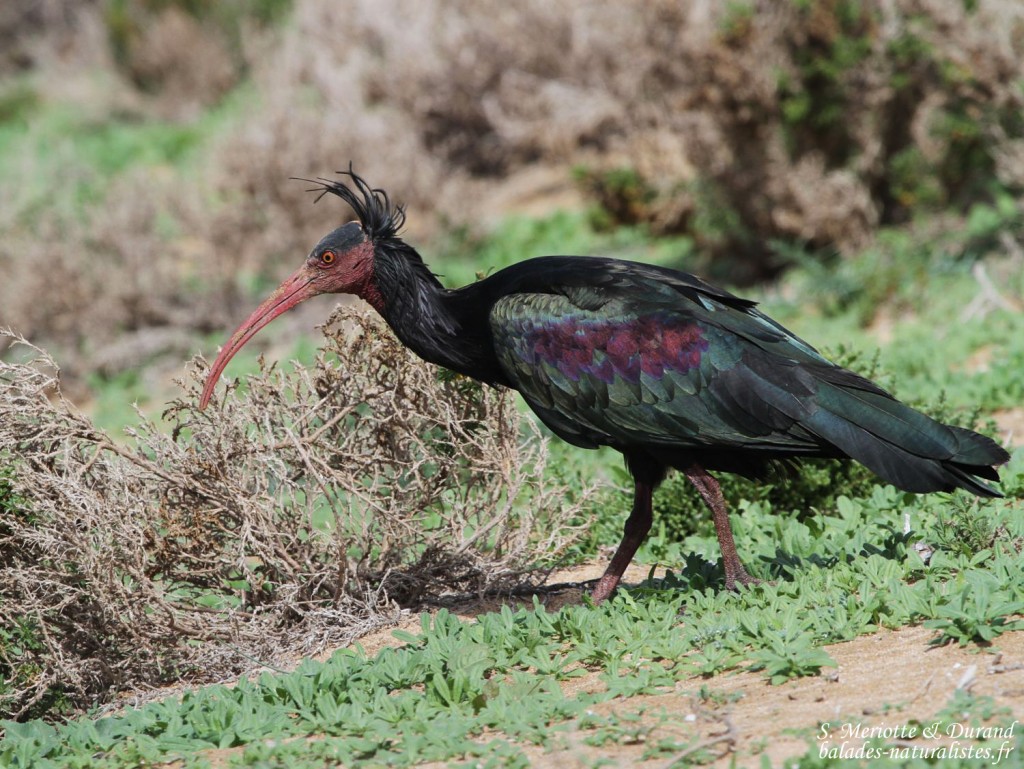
(283, 520)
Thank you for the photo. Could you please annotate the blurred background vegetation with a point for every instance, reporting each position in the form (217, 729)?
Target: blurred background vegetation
(856, 166)
(146, 149)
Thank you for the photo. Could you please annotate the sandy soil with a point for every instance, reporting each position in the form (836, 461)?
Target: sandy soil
(1011, 425)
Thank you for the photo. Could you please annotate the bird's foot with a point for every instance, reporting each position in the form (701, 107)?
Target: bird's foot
(736, 577)
(604, 588)
(739, 584)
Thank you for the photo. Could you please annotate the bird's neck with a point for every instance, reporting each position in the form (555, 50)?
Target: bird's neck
(427, 318)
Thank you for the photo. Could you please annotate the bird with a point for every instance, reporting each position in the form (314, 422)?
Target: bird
(656, 363)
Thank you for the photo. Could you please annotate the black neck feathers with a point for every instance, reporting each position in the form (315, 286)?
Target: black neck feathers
(449, 328)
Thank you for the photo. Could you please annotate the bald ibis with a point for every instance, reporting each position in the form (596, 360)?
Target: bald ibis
(665, 368)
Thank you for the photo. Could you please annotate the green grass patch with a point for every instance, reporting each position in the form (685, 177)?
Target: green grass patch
(85, 153)
(44, 141)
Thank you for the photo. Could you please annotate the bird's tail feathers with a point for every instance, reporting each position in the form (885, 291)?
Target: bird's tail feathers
(903, 446)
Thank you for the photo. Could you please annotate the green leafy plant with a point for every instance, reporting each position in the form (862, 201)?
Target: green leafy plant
(964, 528)
(785, 658)
(11, 503)
(979, 614)
(616, 729)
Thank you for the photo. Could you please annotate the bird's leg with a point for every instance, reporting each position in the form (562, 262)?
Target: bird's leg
(633, 533)
(711, 493)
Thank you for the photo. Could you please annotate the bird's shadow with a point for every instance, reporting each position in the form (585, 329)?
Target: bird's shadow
(697, 573)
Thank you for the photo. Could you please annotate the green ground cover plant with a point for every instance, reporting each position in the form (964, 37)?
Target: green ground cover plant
(481, 689)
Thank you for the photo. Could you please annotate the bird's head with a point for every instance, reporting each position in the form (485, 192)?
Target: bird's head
(341, 263)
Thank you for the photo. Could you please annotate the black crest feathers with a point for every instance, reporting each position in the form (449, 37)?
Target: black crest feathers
(379, 217)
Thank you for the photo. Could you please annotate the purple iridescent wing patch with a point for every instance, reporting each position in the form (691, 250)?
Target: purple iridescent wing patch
(606, 349)
(626, 371)
(545, 340)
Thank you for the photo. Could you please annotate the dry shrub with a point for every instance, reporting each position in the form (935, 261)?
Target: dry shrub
(110, 292)
(36, 31)
(741, 124)
(187, 62)
(186, 55)
(283, 520)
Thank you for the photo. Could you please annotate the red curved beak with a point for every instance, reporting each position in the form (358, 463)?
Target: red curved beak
(298, 288)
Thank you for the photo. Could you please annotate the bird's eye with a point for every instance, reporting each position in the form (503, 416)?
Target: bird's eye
(327, 258)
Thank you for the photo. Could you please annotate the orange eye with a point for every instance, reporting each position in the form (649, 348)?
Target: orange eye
(327, 258)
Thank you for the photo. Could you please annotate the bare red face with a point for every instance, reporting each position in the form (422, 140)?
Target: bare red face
(341, 263)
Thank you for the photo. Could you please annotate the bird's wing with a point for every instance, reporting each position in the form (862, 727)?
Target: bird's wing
(630, 355)
(651, 366)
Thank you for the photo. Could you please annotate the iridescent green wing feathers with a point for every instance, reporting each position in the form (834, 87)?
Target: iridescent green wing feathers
(631, 372)
(648, 360)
